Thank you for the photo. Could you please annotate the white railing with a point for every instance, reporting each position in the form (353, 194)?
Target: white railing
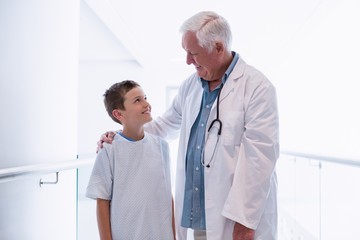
(14, 173)
(343, 161)
(318, 197)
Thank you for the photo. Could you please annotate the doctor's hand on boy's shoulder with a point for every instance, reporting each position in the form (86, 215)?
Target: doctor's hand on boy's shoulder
(107, 137)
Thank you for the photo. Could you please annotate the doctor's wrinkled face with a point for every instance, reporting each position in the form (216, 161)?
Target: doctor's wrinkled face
(206, 63)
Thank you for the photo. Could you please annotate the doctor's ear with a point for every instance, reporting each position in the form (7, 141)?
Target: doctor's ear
(219, 47)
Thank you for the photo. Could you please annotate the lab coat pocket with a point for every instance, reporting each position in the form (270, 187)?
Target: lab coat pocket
(232, 134)
(233, 130)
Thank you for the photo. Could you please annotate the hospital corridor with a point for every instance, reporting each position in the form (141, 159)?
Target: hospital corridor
(58, 57)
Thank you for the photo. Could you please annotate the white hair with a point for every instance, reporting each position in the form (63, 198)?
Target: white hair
(209, 28)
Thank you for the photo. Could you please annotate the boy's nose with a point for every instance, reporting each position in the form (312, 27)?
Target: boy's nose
(146, 104)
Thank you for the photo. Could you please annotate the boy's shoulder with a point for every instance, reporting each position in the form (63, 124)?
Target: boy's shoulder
(155, 138)
(108, 147)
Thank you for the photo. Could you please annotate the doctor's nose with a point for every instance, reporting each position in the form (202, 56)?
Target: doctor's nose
(189, 59)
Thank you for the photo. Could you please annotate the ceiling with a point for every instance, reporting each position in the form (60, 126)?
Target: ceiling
(147, 31)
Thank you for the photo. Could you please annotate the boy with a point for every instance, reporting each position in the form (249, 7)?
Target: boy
(131, 177)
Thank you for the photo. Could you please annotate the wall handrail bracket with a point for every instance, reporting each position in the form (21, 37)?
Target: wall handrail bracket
(41, 182)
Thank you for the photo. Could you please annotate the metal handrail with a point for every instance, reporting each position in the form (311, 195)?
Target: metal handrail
(11, 174)
(338, 160)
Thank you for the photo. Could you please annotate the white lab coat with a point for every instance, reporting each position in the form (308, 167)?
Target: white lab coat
(240, 185)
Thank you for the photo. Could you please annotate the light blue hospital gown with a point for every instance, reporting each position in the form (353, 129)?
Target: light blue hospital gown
(135, 176)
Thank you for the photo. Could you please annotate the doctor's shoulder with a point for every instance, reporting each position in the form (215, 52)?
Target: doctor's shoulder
(193, 81)
(255, 78)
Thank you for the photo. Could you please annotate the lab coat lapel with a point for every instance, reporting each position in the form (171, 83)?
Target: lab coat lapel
(238, 71)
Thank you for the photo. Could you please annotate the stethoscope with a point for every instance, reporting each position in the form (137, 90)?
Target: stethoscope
(216, 120)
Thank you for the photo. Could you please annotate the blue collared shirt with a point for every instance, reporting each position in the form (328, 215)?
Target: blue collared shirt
(193, 215)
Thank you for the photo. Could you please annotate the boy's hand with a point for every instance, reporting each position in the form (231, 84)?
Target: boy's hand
(107, 137)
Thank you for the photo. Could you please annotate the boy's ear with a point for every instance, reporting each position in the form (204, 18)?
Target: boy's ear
(117, 114)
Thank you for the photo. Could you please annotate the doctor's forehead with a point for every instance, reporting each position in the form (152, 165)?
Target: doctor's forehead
(189, 41)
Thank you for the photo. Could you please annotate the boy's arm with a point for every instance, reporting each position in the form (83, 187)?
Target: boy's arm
(103, 218)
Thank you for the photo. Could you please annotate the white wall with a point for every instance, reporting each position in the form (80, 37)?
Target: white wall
(38, 100)
(104, 61)
(317, 78)
(38, 72)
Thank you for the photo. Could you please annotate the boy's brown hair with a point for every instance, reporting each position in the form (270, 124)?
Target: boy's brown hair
(114, 97)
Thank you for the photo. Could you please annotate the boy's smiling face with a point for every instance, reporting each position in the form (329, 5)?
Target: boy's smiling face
(137, 109)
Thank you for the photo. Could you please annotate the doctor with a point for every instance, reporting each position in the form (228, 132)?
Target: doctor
(227, 116)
